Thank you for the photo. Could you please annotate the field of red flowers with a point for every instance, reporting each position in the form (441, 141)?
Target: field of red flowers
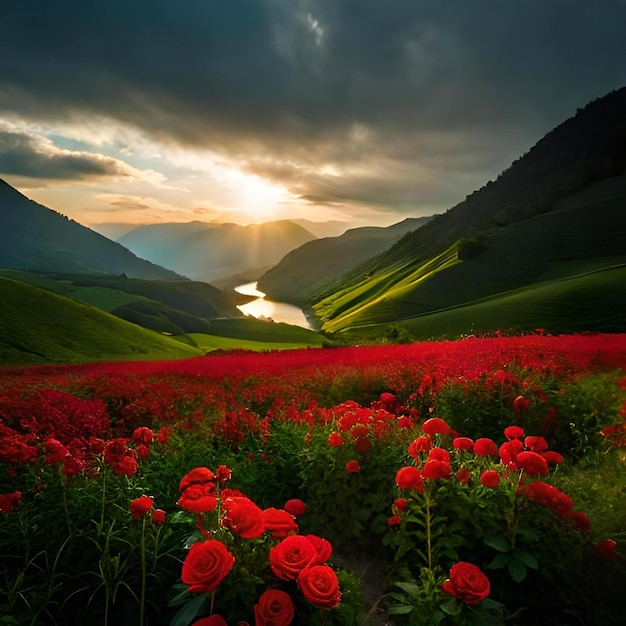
(370, 447)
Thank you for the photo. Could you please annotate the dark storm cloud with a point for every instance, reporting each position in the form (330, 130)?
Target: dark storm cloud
(23, 155)
(465, 86)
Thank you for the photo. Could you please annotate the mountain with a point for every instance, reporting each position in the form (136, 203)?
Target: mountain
(557, 213)
(40, 326)
(314, 266)
(207, 251)
(331, 228)
(113, 230)
(35, 238)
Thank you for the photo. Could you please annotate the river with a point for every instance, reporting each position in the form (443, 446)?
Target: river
(261, 307)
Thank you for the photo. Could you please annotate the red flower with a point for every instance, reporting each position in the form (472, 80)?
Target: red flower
(549, 496)
(335, 440)
(163, 434)
(463, 443)
(158, 517)
(279, 522)
(536, 444)
(490, 478)
(319, 586)
(409, 477)
(223, 474)
(467, 583)
(243, 517)
(435, 470)
(140, 506)
(56, 452)
(207, 563)
(513, 432)
(421, 444)
(213, 620)
(552, 457)
(520, 404)
(606, 550)
(353, 467)
(197, 475)
(275, 608)
(295, 506)
(144, 435)
(485, 447)
(509, 451)
(399, 504)
(404, 422)
(435, 426)
(199, 498)
(323, 547)
(394, 520)
(532, 463)
(291, 556)
(463, 476)
(10, 501)
(439, 454)
(143, 452)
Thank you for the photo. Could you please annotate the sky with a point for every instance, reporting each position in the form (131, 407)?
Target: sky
(362, 111)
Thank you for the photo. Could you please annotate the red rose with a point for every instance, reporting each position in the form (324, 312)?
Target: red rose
(275, 608)
(435, 426)
(295, 506)
(319, 585)
(490, 478)
(532, 463)
(434, 470)
(197, 475)
(409, 477)
(213, 620)
(198, 498)
(280, 523)
(605, 550)
(223, 474)
(158, 517)
(520, 404)
(513, 432)
(463, 443)
(399, 504)
(10, 501)
(536, 444)
(485, 447)
(420, 444)
(552, 457)
(467, 583)
(143, 452)
(439, 454)
(394, 520)
(335, 440)
(56, 452)
(243, 517)
(207, 563)
(463, 476)
(291, 556)
(509, 451)
(323, 547)
(353, 467)
(140, 506)
(163, 434)
(143, 435)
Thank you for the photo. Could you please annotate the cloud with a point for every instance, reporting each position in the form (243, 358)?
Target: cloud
(35, 157)
(413, 101)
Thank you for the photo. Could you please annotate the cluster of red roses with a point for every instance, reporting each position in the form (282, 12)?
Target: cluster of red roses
(140, 507)
(292, 557)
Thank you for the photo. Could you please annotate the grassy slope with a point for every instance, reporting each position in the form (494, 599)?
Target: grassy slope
(585, 234)
(591, 302)
(44, 327)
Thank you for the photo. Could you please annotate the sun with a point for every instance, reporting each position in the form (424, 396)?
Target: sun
(259, 199)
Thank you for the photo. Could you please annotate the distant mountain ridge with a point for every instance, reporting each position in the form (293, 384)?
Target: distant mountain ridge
(38, 239)
(208, 251)
(314, 266)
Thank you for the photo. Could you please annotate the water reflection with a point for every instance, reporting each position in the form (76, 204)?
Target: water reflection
(263, 308)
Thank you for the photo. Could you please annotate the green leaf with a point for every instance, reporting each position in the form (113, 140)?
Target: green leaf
(497, 542)
(410, 588)
(527, 559)
(400, 609)
(188, 611)
(500, 560)
(517, 570)
(450, 607)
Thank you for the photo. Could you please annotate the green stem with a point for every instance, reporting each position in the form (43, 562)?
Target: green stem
(428, 535)
(142, 556)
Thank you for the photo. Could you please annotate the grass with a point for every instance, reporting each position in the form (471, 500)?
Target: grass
(592, 302)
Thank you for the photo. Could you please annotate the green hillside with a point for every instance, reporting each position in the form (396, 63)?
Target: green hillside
(587, 232)
(592, 302)
(40, 326)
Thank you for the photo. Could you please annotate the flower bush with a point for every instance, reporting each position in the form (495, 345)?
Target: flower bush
(412, 462)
